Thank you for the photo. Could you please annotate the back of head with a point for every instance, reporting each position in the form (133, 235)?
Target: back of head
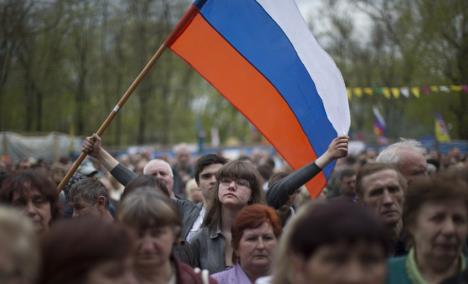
(19, 250)
(74, 247)
(146, 181)
(334, 222)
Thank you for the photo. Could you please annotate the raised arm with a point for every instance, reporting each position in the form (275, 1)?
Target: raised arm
(92, 145)
(278, 193)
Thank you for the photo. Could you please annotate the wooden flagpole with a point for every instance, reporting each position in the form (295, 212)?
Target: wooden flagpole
(186, 19)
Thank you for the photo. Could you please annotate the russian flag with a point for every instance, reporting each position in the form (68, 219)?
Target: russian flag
(260, 55)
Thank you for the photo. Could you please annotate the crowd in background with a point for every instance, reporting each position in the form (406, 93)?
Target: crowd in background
(398, 216)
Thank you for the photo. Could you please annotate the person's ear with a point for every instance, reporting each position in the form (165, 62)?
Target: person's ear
(101, 202)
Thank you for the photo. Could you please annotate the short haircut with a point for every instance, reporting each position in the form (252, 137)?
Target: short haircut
(205, 161)
(145, 181)
(334, 222)
(88, 189)
(145, 209)
(431, 189)
(252, 217)
(373, 168)
(392, 154)
(19, 243)
(24, 181)
(74, 247)
(169, 168)
(235, 170)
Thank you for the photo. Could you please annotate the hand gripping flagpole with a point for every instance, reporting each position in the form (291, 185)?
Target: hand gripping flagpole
(187, 18)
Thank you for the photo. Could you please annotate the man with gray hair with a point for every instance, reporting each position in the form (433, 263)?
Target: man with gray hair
(89, 197)
(408, 158)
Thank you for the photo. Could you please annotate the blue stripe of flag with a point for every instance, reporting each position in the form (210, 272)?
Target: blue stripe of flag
(257, 37)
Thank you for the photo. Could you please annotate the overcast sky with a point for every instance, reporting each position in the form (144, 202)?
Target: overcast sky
(312, 11)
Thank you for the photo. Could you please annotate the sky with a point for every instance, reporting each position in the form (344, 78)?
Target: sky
(312, 11)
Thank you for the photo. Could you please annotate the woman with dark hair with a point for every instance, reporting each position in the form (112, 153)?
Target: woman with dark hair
(87, 250)
(335, 242)
(35, 194)
(435, 216)
(254, 235)
(154, 220)
(238, 185)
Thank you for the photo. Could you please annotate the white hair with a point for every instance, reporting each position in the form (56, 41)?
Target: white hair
(155, 161)
(393, 153)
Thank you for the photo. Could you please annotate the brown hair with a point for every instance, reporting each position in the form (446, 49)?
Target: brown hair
(145, 181)
(251, 217)
(236, 170)
(431, 189)
(373, 168)
(335, 221)
(73, 247)
(24, 181)
(144, 209)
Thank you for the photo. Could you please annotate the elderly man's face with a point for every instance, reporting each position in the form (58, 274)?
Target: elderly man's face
(162, 171)
(383, 193)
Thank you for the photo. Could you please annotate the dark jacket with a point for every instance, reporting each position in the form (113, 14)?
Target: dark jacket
(188, 210)
(208, 249)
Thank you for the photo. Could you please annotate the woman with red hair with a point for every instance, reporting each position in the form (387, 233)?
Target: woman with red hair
(254, 235)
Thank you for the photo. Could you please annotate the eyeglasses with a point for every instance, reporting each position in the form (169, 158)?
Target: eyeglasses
(237, 181)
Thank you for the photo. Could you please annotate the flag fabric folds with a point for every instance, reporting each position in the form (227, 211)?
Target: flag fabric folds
(260, 55)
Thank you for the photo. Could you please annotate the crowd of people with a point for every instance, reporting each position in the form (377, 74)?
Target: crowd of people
(398, 216)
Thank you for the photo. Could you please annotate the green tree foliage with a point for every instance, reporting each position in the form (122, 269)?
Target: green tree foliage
(411, 43)
(65, 63)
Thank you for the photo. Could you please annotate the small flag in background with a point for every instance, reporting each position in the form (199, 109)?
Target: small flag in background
(261, 56)
(440, 129)
(379, 126)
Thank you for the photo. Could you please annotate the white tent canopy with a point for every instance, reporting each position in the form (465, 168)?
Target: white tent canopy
(48, 147)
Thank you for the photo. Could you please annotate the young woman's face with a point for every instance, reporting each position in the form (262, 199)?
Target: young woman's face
(234, 192)
(342, 263)
(154, 246)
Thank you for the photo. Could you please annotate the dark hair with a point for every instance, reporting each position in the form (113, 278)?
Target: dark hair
(205, 161)
(146, 181)
(74, 247)
(251, 217)
(23, 181)
(373, 168)
(431, 189)
(334, 222)
(235, 170)
(89, 189)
